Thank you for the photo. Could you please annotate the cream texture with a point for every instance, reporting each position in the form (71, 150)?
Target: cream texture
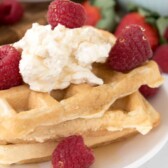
(53, 59)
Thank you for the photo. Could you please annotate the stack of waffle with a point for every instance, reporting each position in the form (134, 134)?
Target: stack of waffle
(32, 123)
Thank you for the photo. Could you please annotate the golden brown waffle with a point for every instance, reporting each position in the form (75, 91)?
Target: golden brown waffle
(25, 112)
(95, 112)
(32, 123)
(127, 114)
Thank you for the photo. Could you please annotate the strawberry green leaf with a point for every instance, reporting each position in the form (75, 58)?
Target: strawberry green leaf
(107, 7)
(103, 4)
(151, 21)
(162, 24)
(131, 7)
(147, 13)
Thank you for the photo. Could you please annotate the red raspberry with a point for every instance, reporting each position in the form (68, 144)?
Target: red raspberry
(9, 67)
(130, 50)
(148, 91)
(161, 57)
(67, 13)
(11, 12)
(136, 18)
(71, 152)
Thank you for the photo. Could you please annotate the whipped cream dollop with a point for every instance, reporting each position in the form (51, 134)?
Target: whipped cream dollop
(53, 59)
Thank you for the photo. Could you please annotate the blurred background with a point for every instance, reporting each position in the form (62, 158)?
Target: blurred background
(105, 14)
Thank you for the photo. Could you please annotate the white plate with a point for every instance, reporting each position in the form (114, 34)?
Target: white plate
(135, 151)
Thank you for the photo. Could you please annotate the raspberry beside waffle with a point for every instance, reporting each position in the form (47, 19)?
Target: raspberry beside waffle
(119, 111)
(33, 123)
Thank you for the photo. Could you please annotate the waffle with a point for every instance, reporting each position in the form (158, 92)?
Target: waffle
(129, 115)
(32, 123)
(24, 111)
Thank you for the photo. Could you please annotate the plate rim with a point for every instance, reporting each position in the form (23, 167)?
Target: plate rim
(148, 156)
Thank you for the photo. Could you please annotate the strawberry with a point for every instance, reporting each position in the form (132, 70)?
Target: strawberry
(131, 49)
(136, 18)
(161, 57)
(166, 34)
(93, 14)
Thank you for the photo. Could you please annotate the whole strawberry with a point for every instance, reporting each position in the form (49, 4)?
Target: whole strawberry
(11, 12)
(161, 57)
(72, 153)
(136, 18)
(67, 13)
(9, 67)
(93, 14)
(131, 49)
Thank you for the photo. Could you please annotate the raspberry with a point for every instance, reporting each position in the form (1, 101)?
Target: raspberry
(11, 12)
(67, 13)
(130, 50)
(161, 57)
(72, 153)
(147, 91)
(9, 67)
(136, 18)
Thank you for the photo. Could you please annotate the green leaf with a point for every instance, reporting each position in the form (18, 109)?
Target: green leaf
(108, 14)
(103, 3)
(108, 21)
(147, 13)
(151, 21)
(131, 7)
(162, 24)
(144, 12)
